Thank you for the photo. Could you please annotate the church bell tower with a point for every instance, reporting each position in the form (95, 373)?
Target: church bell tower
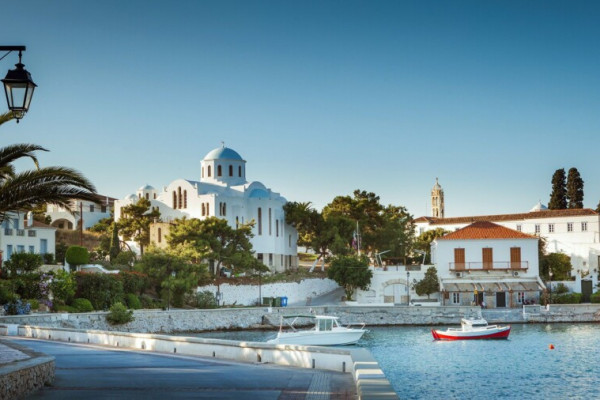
(437, 200)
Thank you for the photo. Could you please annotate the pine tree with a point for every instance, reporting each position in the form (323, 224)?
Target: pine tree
(558, 197)
(574, 189)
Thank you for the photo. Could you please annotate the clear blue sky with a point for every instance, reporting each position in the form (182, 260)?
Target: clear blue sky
(320, 97)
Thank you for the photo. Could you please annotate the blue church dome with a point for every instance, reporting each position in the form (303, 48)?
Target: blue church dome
(223, 153)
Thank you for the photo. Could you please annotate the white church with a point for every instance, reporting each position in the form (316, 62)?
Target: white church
(224, 192)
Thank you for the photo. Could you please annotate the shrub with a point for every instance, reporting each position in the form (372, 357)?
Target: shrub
(63, 287)
(83, 305)
(64, 308)
(560, 288)
(205, 299)
(132, 301)
(102, 290)
(595, 297)
(48, 258)
(23, 263)
(149, 302)
(17, 307)
(77, 255)
(134, 282)
(34, 304)
(7, 293)
(119, 314)
(566, 298)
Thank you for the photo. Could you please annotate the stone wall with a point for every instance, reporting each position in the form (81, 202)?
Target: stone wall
(21, 378)
(296, 292)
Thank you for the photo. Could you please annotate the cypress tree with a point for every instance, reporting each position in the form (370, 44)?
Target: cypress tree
(558, 197)
(598, 208)
(574, 189)
(115, 249)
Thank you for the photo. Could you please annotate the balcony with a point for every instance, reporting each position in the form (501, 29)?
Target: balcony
(480, 266)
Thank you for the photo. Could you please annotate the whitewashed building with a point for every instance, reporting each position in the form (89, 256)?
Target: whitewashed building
(486, 262)
(20, 233)
(80, 211)
(224, 192)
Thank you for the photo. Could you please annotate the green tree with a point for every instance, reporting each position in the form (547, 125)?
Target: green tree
(135, 222)
(77, 255)
(559, 264)
(214, 240)
(396, 233)
(429, 284)
(423, 242)
(63, 287)
(558, 197)
(172, 276)
(598, 207)
(351, 273)
(574, 189)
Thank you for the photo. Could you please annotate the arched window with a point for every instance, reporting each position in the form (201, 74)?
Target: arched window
(209, 171)
(185, 199)
(219, 170)
(179, 203)
(231, 170)
(155, 196)
(259, 221)
(174, 199)
(207, 210)
(147, 196)
(240, 171)
(203, 210)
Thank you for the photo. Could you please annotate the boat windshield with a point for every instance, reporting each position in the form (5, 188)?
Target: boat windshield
(325, 324)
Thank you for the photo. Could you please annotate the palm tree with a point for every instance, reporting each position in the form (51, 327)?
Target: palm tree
(28, 189)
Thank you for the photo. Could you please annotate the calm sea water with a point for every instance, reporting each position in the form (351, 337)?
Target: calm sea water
(522, 367)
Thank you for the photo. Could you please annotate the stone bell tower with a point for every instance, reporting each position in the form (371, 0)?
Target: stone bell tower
(437, 200)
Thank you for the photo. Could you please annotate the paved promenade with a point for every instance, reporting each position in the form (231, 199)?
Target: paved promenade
(94, 372)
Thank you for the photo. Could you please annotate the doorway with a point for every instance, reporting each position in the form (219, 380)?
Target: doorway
(500, 299)
(586, 290)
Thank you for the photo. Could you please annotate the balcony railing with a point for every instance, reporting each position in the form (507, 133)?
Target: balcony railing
(489, 266)
(8, 231)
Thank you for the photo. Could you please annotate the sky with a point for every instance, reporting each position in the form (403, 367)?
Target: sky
(319, 97)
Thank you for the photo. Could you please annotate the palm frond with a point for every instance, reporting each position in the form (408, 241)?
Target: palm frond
(11, 153)
(6, 117)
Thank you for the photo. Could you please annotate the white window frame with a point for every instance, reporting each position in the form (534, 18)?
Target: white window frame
(584, 227)
(569, 227)
(550, 228)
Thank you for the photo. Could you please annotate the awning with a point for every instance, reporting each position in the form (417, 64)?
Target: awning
(501, 285)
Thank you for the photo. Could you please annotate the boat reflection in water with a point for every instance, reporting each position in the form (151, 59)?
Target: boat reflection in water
(472, 328)
(326, 332)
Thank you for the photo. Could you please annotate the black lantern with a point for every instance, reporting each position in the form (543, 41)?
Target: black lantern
(19, 88)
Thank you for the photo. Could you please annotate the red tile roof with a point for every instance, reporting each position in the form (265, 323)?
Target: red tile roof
(485, 230)
(575, 212)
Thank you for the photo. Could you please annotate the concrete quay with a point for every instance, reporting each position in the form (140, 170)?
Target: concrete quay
(22, 370)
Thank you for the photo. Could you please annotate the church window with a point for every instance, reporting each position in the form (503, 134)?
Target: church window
(583, 226)
(551, 228)
(179, 197)
(174, 199)
(208, 171)
(147, 196)
(259, 221)
(569, 227)
(185, 199)
(203, 210)
(270, 222)
(219, 170)
(207, 210)
(231, 170)
(240, 171)
(159, 235)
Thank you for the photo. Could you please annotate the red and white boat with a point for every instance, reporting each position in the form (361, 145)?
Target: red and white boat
(472, 328)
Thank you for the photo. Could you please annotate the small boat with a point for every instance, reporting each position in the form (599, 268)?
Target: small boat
(472, 328)
(326, 332)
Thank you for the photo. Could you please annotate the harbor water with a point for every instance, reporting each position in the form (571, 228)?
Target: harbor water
(524, 366)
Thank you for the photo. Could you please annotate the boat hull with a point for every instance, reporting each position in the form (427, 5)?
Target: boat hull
(312, 338)
(496, 333)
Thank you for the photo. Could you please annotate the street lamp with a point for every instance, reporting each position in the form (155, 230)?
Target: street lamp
(18, 85)
(407, 286)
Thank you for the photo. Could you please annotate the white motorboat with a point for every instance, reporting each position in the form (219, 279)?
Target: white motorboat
(472, 328)
(326, 332)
